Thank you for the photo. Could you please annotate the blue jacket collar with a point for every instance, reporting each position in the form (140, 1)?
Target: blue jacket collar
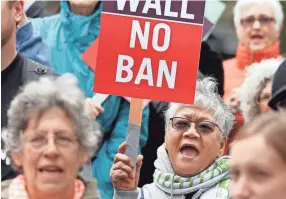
(24, 33)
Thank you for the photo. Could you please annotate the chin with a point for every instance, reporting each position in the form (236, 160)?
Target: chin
(255, 47)
(84, 3)
(50, 189)
(187, 169)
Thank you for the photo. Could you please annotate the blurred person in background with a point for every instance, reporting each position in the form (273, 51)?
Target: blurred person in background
(189, 163)
(16, 70)
(258, 25)
(258, 159)
(68, 35)
(255, 92)
(49, 136)
(278, 100)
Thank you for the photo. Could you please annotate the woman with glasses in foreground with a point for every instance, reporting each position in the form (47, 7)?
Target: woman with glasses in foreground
(258, 159)
(190, 162)
(50, 135)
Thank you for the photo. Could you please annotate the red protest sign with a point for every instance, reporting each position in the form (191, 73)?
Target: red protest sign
(150, 49)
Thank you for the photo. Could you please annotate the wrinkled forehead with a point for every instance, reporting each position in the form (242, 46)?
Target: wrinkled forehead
(195, 112)
(257, 10)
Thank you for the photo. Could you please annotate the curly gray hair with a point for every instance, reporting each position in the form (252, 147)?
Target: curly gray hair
(257, 75)
(46, 93)
(207, 97)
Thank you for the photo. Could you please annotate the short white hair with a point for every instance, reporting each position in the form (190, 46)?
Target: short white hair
(207, 97)
(275, 4)
(257, 75)
(42, 95)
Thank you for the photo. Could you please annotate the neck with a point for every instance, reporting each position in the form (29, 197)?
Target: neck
(83, 10)
(8, 53)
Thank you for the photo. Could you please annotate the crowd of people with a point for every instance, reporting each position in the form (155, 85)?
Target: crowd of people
(57, 142)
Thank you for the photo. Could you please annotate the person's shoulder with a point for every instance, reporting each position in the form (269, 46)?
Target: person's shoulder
(152, 191)
(4, 188)
(33, 71)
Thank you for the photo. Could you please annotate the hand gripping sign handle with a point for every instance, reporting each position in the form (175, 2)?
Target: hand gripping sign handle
(133, 131)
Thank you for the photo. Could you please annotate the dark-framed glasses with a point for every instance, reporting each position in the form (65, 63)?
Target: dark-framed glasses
(40, 141)
(184, 124)
(263, 20)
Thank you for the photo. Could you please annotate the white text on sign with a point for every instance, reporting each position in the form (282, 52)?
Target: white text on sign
(146, 64)
(156, 5)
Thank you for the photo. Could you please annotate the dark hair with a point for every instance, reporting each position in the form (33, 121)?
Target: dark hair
(270, 125)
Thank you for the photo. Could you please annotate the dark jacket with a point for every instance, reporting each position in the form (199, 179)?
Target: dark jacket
(210, 65)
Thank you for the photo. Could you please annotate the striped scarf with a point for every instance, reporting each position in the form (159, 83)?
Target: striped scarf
(17, 189)
(165, 179)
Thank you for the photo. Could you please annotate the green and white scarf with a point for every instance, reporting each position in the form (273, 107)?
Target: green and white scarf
(215, 170)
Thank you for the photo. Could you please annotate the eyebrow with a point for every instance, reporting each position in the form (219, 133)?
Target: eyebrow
(196, 117)
(56, 132)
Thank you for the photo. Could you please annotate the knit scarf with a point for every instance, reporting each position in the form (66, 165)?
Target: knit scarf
(171, 183)
(17, 189)
(246, 57)
(177, 183)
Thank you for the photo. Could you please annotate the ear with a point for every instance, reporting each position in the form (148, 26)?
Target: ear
(222, 146)
(17, 159)
(18, 8)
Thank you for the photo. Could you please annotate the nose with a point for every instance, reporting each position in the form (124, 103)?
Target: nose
(51, 149)
(192, 132)
(256, 24)
(240, 189)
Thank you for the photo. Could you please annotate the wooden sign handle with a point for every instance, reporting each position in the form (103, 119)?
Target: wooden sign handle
(136, 109)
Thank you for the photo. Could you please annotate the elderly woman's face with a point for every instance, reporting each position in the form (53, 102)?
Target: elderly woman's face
(51, 155)
(258, 172)
(257, 28)
(192, 150)
(264, 97)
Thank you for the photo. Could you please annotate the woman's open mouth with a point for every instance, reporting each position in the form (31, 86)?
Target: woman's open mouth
(189, 151)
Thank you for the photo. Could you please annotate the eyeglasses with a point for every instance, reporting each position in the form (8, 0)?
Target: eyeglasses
(263, 20)
(202, 127)
(281, 104)
(264, 98)
(40, 141)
